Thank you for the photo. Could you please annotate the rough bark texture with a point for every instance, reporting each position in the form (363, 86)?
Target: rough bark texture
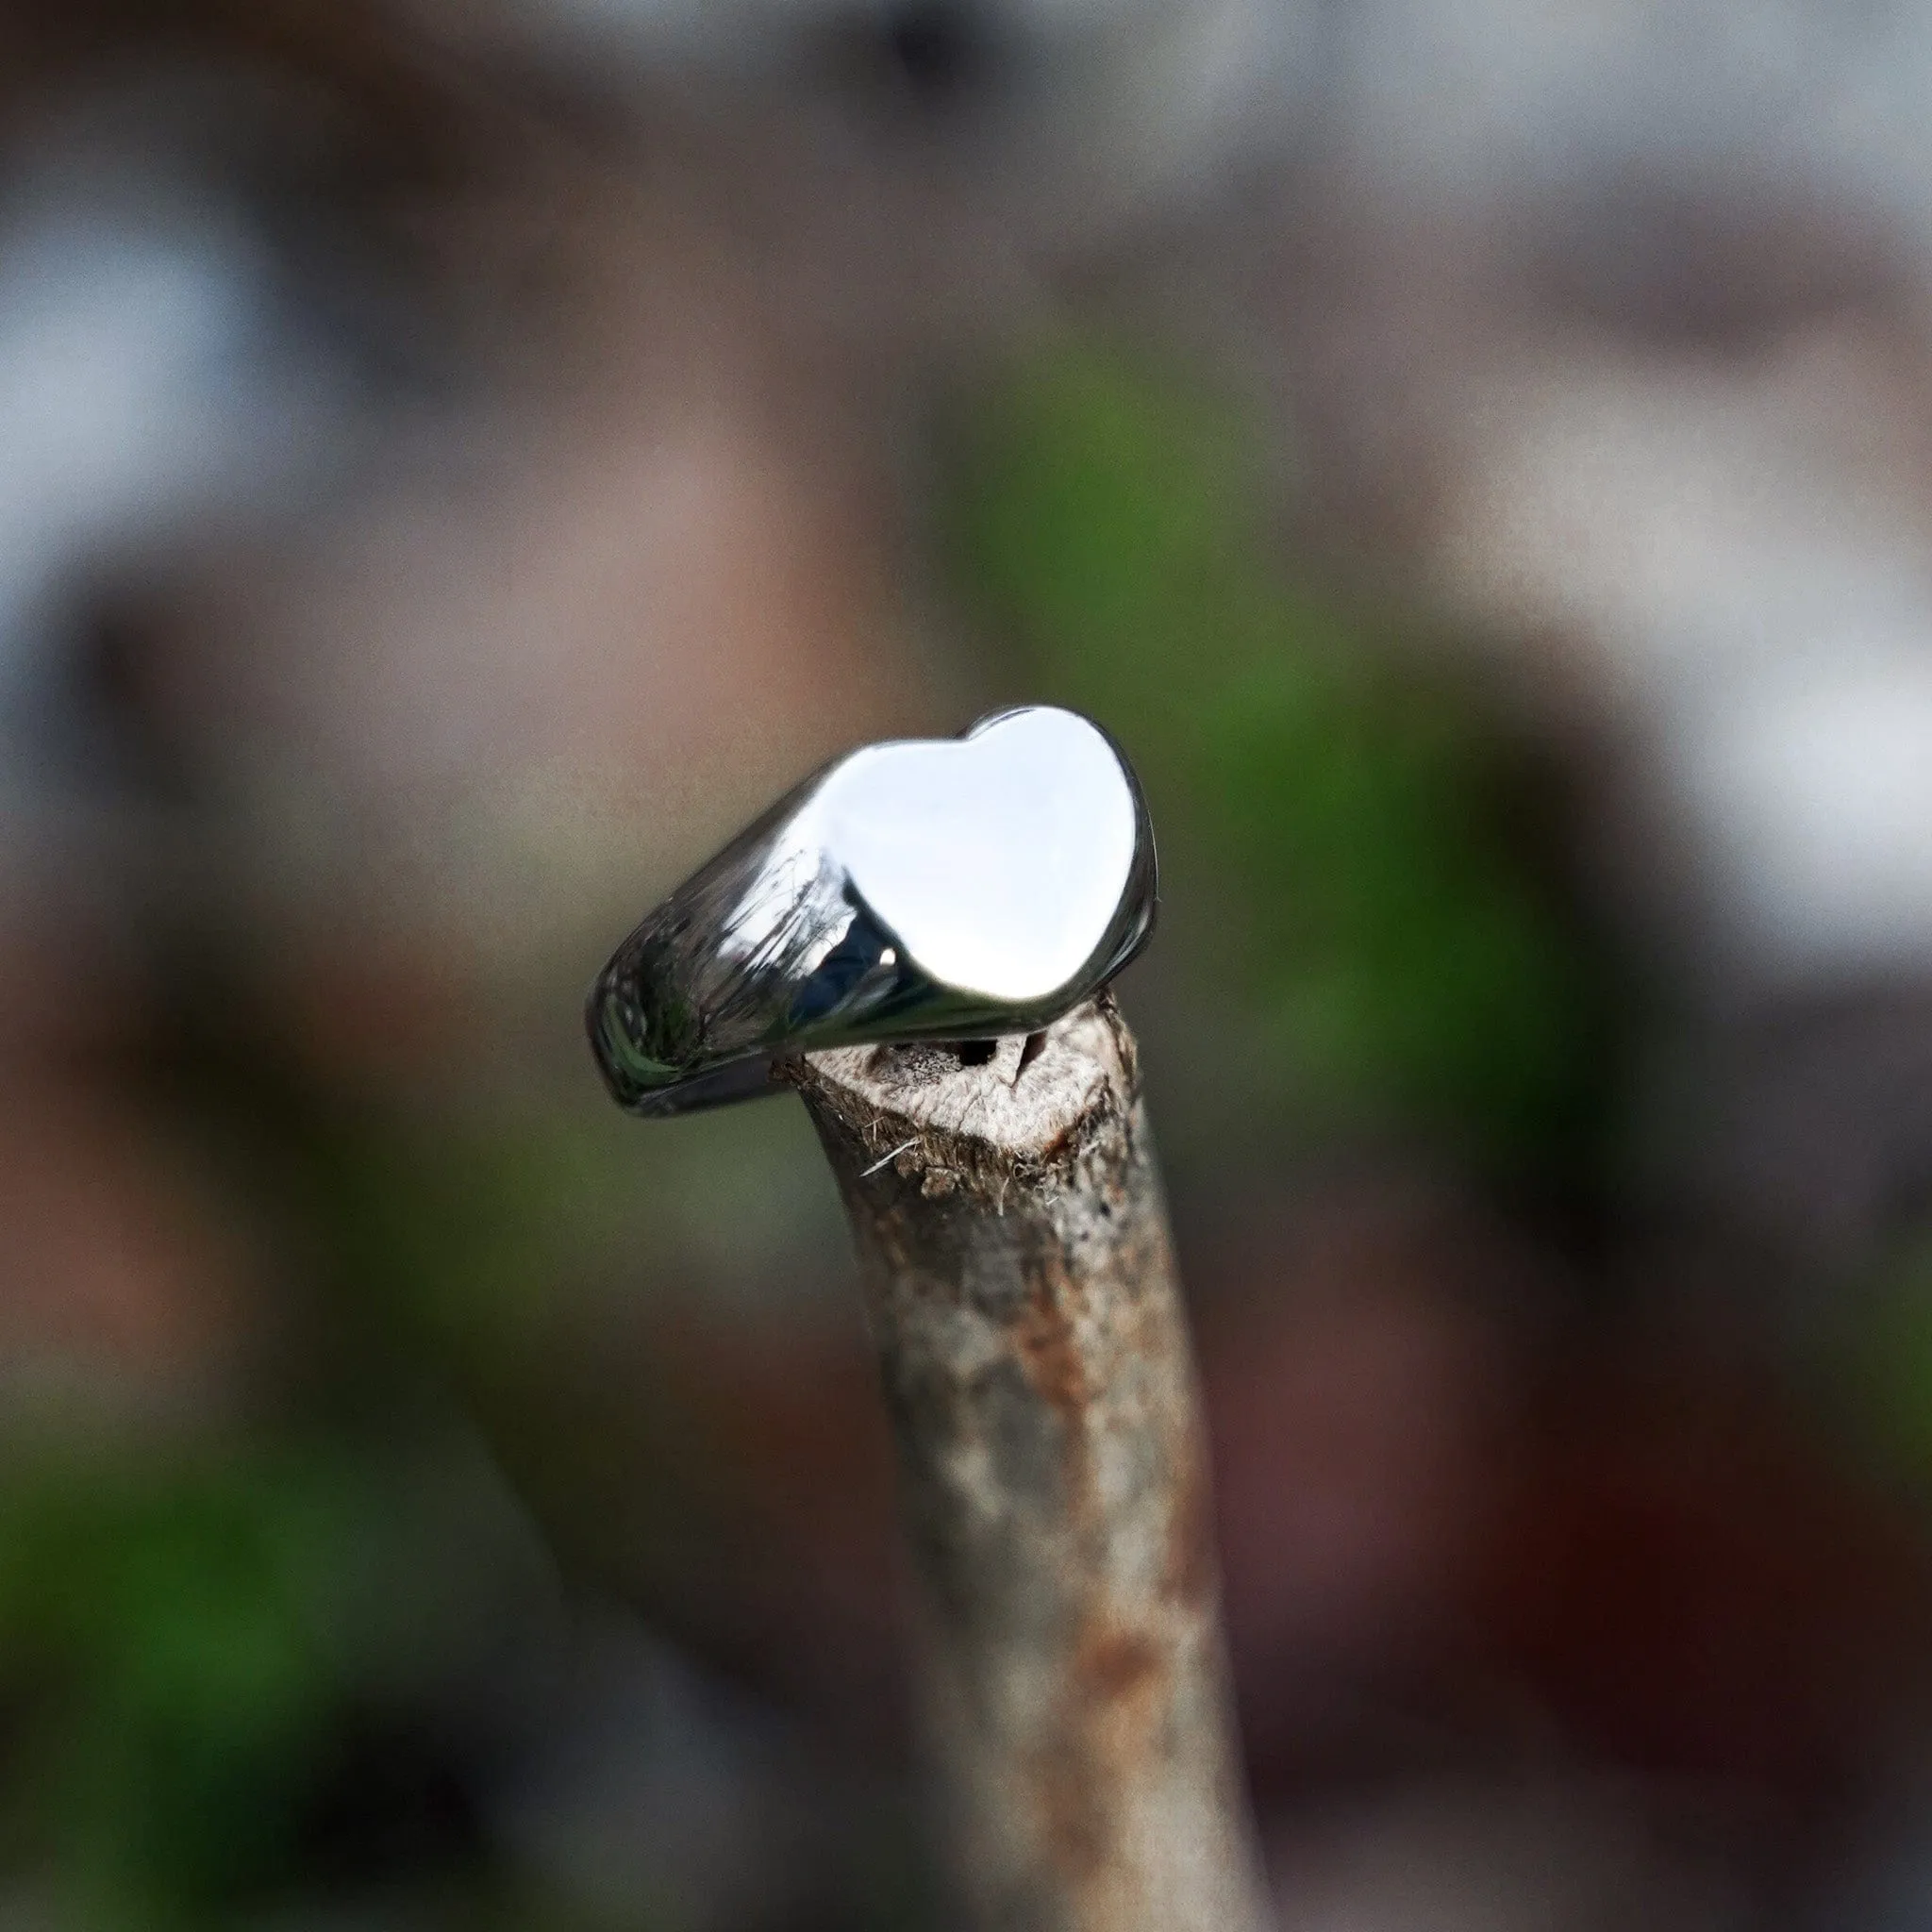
(1021, 1295)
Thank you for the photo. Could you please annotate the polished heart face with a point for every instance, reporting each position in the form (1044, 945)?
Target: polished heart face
(997, 863)
(945, 888)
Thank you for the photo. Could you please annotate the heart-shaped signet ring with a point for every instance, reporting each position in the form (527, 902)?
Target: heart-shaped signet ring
(922, 889)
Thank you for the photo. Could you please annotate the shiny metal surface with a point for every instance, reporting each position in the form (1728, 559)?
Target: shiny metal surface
(924, 889)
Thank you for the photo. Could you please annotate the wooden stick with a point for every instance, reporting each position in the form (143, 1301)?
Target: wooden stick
(1020, 1288)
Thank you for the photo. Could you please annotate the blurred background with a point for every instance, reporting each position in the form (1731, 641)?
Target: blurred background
(459, 458)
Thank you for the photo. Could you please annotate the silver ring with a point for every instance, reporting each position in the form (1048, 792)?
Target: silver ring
(920, 888)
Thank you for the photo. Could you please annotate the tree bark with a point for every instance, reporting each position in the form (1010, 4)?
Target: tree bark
(1021, 1295)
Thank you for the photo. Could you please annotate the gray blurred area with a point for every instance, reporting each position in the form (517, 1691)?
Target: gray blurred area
(459, 462)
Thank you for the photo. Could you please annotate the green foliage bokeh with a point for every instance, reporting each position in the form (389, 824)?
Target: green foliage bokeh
(1395, 951)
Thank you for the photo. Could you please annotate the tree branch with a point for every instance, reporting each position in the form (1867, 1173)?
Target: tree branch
(1021, 1295)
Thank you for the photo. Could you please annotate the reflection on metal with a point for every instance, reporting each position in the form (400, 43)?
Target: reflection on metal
(930, 888)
